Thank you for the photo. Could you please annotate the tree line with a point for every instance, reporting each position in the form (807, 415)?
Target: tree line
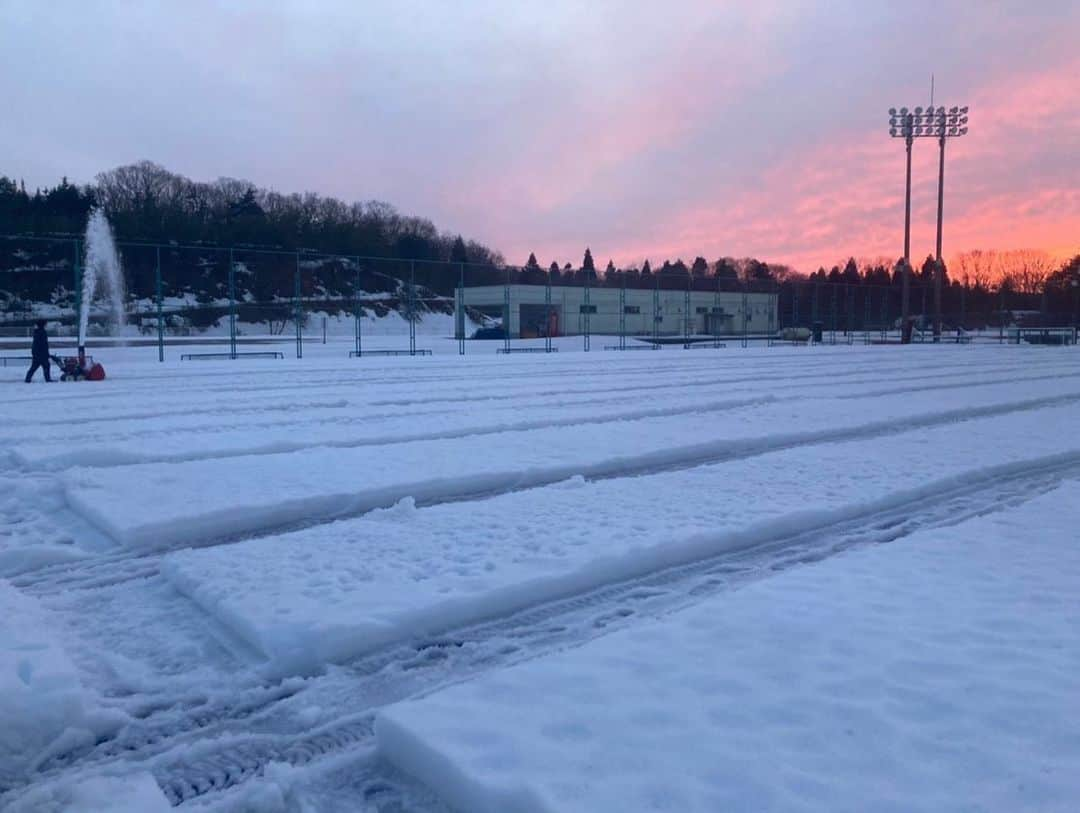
(146, 202)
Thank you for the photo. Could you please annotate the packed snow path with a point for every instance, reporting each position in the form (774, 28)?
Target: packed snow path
(365, 533)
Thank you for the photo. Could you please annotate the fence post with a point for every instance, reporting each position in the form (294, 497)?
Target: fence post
(298, 309)
(160, 316)
(232, 305)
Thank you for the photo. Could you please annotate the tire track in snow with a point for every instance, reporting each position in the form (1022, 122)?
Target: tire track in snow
(230, 755)
(685, 457)
(125, 565)
(94, 458)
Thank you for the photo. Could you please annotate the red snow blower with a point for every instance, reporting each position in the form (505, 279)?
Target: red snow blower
(79, 368)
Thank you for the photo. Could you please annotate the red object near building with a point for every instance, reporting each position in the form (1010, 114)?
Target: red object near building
(95, 373)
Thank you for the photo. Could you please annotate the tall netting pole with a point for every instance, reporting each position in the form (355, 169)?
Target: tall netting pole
(686, 314)
(657, 316)
(885, 313)
(745, 315)
(832, 316)
(547, 308)
(76, 269)
(461, 309)
(412, 307)
(232, 305)
(298, 312)
(359, 314)
(715, 326)
(622, 310)
(506, 312)
(160, 315)
(866, 316)
(588, 323)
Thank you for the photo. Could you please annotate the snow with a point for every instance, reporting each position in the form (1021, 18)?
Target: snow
(43, 705)
(130, 793)
(219, 497)
(220, 571)
(937, 673)
(335, 591)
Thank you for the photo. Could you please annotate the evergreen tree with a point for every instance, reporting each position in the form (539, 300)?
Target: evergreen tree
(587, 263)
(850, 274)
(458, 252)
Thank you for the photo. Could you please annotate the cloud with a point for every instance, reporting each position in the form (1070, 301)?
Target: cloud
(640, 129)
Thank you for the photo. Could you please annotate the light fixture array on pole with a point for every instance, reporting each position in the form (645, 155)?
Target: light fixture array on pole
(929, 122)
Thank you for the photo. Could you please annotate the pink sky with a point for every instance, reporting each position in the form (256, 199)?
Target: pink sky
(636, 128)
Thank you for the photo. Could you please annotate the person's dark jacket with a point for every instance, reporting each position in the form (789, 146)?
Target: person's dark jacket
(40, 350)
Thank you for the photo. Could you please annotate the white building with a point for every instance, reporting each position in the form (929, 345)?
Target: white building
(635, 311)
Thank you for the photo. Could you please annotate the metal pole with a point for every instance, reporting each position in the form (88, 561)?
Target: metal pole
(77, 270)
(716, 314)
(160, 316)
(656, 315)
(939, 268)
(461, 315)
(866, 315)
(622, 312)
(412, 307)
(588, 316)
(832, 309)
(359, 313)
(885, 294)
(686, 319)
(905, 300)
(298, 310)
(745, 315)
(547, 310)
(506, 312)
(232, 305)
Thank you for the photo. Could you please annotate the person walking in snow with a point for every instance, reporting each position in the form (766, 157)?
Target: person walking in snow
(39, 353)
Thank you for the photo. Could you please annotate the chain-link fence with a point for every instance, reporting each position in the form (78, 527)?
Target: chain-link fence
(204, 301)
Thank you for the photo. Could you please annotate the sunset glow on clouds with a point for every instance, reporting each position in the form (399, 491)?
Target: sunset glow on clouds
(637, 128)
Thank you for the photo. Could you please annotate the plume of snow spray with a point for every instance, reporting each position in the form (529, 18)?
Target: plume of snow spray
(102, 266)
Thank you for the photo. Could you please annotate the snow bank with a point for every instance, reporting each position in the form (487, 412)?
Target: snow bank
(31, 535)
(933, 674)
(196, 500)
(131, 793)
(334, 591)
(43, 705)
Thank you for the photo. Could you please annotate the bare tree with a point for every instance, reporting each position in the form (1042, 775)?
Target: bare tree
(977, 268)
(1028, 269)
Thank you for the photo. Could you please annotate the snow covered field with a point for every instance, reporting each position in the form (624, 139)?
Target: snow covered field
(642, 581)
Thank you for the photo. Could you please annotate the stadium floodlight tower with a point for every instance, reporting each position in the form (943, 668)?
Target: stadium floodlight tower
(931, 122)
(902, 125)
(951, 123)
